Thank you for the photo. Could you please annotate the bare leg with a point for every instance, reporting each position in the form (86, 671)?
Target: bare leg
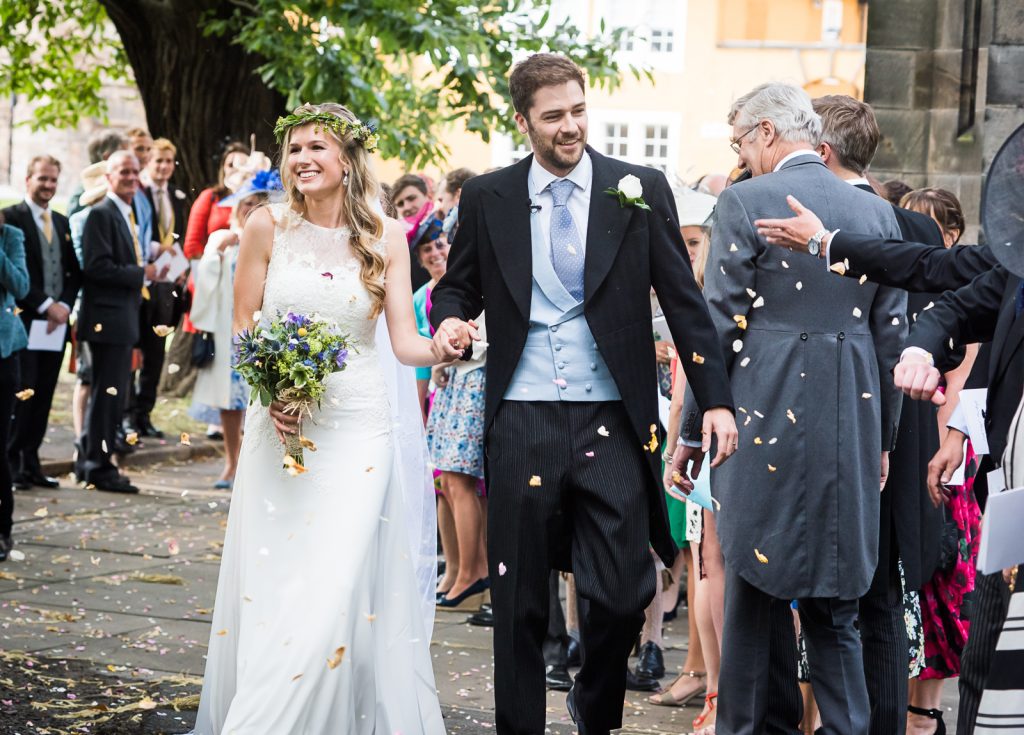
(232, 423)
(694, 652)
(449, 541)
(926, 694)
(713, 587)
(655, 611)
(572, 613)
(79, 402)
(468, 530)
(672, 592)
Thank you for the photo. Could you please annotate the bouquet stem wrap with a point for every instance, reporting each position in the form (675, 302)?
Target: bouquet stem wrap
(300, 407)
(293, 445)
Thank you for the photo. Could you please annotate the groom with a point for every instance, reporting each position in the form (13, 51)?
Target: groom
(565, 272)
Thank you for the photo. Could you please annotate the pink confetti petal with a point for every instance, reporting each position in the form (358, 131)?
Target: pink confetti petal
(502, 569)
(328, 275)
(590, 454)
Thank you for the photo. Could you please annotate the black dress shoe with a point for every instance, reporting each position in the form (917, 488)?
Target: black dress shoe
(38, 479)
(6, 544)
(570, 705)
(114, 484)
(146, 428)
(651, 664)
(573, 653)
(637, 683)
(557, 678)
(484, 618)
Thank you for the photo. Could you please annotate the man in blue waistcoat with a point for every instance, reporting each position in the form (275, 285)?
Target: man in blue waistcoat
(563, 248)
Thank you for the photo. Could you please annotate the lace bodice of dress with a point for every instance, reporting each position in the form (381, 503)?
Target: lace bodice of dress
(313, 272)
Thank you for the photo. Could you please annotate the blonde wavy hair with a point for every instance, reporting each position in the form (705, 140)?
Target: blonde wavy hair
(366, 225)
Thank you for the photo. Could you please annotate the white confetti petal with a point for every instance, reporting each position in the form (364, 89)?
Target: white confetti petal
(744, 362)
(799, 285)
(759, 302)
(737, 345)
(857, 312)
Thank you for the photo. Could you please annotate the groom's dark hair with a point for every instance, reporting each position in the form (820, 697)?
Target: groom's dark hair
(540, 70)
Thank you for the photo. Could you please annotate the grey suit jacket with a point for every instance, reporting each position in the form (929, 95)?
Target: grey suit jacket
(809, 357)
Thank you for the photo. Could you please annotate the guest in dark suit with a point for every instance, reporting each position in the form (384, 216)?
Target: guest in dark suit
(55, 278)
(573, 471)
(162, 309)
(800, 507)
(909, 525)
(115, 275)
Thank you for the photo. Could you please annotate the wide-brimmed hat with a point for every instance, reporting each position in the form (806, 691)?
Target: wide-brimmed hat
(94, 183)
(263, 182)
(694, 207)
(255, 162)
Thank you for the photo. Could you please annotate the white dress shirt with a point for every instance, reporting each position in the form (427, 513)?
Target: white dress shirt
(579, 200)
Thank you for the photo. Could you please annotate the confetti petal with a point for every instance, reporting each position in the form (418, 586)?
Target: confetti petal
(24, 395)
(15, 555)
(502, 569)
(799, 285)
(760, 557)
(744, 362)
(560, 382)
(328, 274)
(741, 321)
(751, 293)
(737, 345)
(589, 454)
(895, 321)
(865, 395)
(41, 513)
(111, 391)
(162, 330)
(785, 264)
(757, 440)
(131, 438)
(173, 368)
(862, 280)
(758, 302)
(772, 468)
(698, 359)
(857, 312)
(535, 481)
(97, 328)
(837, 268)
(733, 248)
(185, 439)
(603, 431)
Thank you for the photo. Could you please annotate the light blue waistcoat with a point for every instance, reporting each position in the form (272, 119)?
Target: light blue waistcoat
(560, 361)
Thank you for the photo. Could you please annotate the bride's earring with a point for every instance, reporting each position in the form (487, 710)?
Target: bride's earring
(344, 179)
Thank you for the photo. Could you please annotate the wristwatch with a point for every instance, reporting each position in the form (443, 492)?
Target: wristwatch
(814, 244)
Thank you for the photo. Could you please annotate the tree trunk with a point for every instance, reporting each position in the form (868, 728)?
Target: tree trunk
(199, 91)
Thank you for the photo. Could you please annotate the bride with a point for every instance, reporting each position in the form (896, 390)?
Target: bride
(321, 624)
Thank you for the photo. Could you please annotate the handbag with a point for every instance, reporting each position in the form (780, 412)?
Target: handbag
(202, 350)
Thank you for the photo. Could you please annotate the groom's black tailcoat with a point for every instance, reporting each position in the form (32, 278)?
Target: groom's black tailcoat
(627, 251)
(561, 492)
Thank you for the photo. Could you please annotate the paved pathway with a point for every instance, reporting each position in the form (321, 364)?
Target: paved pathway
(117, 591)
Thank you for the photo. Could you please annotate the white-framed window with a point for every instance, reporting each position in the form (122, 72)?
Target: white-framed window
(656, 146)
(658, 28)
(616, 139)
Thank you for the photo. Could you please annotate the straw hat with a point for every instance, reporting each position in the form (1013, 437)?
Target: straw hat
(94, 181)
(694, 207)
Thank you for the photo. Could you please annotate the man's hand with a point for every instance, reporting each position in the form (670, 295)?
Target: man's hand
(150, 271)
(943, 465)
(284, 423)
(452, 338)
(56, 315)
(664, 352)
(915, 376)
(885, 470)
(792, 233)
(722, 424)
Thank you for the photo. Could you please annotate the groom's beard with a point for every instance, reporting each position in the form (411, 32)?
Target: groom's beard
(551, 151)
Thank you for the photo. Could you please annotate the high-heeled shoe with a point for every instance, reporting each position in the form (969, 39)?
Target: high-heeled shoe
(935, 714)
(700, 719)
(469, 601)
(667, 699)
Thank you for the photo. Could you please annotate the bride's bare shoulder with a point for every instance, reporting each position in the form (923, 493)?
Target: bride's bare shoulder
(258, 234)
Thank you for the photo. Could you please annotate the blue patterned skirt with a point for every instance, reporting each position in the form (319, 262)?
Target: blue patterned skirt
(455, 426)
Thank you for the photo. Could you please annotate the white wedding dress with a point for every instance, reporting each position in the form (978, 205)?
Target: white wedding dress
(321, 626)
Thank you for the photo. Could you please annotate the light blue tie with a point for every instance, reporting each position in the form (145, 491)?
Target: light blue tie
(566, 246)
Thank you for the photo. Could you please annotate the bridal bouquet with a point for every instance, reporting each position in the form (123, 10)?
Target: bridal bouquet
(289, 361)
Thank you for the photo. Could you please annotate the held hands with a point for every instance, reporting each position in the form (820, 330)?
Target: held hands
(718, 422)
(943, 465)
(452, 338)
(792, 233)
(915, 376)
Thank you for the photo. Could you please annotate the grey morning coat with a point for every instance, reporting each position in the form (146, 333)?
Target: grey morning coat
(815, 399)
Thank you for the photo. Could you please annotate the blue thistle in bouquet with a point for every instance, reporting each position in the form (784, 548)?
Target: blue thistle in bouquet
(289, 360)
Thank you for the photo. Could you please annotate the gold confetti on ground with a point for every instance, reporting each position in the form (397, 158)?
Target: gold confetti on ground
(535, 481)
(760, 557)
(698, 359)
(162, 330)
(41, 513)
(334, 661)
(24, 395)
(157, 578)
(741, 321)
(186, 440)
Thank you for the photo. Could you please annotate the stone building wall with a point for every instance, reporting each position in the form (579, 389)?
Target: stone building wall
(913, 80)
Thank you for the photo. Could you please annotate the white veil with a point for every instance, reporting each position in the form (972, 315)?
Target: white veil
(410, 469)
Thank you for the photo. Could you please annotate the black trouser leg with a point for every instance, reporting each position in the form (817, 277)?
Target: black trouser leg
(883, 633)
(148, 378)
(991, 599)
(111, 368)
(556, 642)
(9, 385)
(39, 371)
(837, 664)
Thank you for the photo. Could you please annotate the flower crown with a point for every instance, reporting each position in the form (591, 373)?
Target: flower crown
(361, 132)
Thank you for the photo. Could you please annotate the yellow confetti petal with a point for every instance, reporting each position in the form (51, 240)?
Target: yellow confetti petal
(757, 440)
(131, 438)
(24, 395)
(862, 280)
(334, 661)
(223, 631)
(741, 321)
(97, 328)
(147, 704)
(698, 359)
(654, 428)
(185, 439)
(162, 330)
(772, 468)
(760, 557)
(838, 268)
(41, 513)
(307, 444)
(677, 477)
(535, 481)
